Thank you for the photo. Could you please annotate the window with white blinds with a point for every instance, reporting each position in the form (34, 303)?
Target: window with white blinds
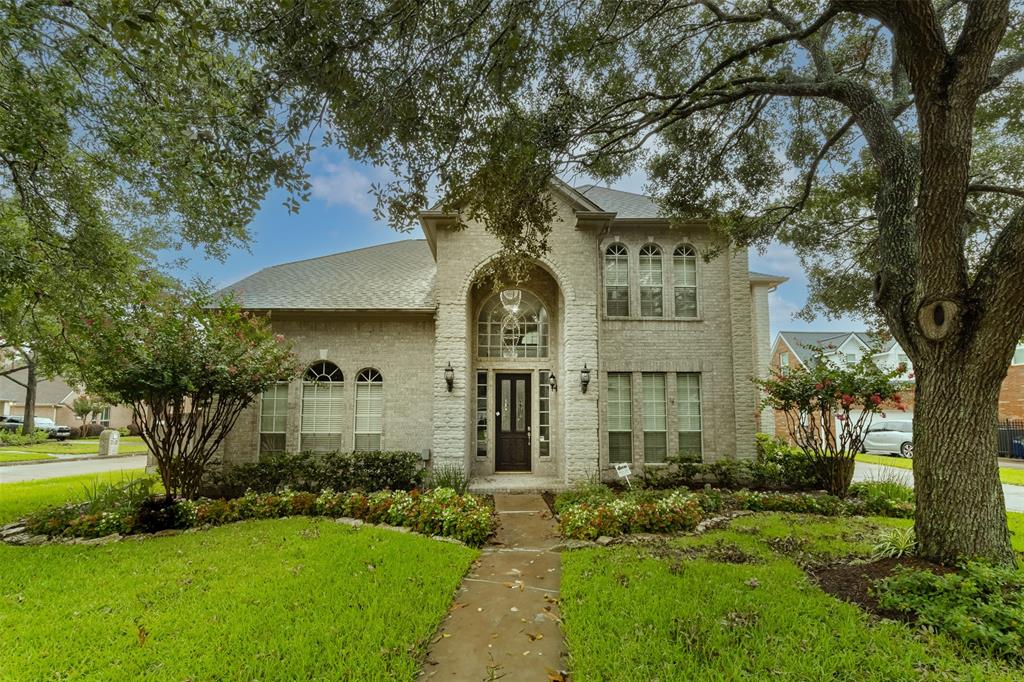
(620, 419)
(616, 281)
(321, 418)
(369, 410)
(684, 280)
(651, 281)
(655, 428)
(273, 419)
(688, 411)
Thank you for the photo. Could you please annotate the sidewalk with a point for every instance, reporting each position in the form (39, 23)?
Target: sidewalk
(1012, 494)
(504, 623)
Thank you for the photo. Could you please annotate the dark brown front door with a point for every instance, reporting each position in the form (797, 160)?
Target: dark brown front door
(512, 422)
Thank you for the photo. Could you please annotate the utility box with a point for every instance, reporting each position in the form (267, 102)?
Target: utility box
(110, 440)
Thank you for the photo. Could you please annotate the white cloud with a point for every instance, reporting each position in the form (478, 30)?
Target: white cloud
(778, 259)
(781, 311)
(341, 185)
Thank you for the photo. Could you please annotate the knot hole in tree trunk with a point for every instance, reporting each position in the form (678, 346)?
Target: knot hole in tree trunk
(939, 318)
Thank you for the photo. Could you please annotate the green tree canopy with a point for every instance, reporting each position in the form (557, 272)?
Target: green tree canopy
(881, 138)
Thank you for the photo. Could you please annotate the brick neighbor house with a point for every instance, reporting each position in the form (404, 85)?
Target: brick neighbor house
(796, 349)
(623, 345)
(54, 398)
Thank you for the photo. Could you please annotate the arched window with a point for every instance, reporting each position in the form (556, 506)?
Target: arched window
(321, 419)
(513, 324)
(651, 282)
(616, 281)
(369, 410)
(684, 276)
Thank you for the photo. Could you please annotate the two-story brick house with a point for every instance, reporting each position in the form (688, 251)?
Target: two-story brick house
(623, 345)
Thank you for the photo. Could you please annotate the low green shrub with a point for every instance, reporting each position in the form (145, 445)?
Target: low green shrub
(441, 511)
(588, 512)
(367, 471)
(18, 438)
(780, 465)
(981, 605)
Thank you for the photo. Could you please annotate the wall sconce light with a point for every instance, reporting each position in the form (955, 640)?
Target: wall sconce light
(584, 378)
(449, 376)
(553, 382)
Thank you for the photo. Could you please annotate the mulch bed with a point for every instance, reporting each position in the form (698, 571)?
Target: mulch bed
(854, 583)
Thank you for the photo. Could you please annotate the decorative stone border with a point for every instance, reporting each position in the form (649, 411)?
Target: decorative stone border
(15, 533)
(707, 524)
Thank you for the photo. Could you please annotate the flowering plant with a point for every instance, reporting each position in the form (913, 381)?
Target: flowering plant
(828, 408)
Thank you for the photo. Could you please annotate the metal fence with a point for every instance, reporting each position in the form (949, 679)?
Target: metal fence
(1011, 438)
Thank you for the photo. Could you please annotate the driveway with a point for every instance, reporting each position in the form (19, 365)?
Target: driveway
(1012, 494)
(32, 472)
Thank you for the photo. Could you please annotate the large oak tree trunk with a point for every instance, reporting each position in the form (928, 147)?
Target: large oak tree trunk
(29, 413)
(960, 508)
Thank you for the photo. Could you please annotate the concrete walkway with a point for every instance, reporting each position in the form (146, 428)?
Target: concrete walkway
(53, 469)
(864, 471)
(504, 623)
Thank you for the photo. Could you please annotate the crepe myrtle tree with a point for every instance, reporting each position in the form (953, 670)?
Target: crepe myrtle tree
(187, 370)
(84, 407)
(881, 139)
(828, 409)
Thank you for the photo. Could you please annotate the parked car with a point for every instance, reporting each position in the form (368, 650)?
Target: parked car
(890, 437)
(53, 429)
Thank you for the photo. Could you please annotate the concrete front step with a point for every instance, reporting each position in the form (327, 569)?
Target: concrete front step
(515, 483)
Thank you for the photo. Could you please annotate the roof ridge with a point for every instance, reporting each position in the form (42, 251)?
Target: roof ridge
(338, 253)
(611, 189)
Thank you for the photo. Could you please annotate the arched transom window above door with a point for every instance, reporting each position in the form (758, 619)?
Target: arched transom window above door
(513, 324)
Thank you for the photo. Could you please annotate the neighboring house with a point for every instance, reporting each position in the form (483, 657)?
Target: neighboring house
(623, 345)
(796, 349)
(54, 398)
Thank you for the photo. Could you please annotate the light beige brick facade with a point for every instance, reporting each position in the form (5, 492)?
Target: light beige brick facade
(726, 343)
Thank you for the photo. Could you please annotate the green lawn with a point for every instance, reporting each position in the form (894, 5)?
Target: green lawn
(689, 611)
(287, 599)
(128, 444)
(12, 455)
(1006, 474)
(18, 499)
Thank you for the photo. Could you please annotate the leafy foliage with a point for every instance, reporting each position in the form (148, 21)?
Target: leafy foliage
(365, 471)
(813, 398)
(15, 438)
(448, 476)
(981, 605)
(441, 511)
(187, 370)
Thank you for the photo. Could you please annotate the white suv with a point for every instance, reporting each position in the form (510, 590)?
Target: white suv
(890, 437)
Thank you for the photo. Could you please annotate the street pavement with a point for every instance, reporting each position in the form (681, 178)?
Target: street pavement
(33, 472)
(1012, 494)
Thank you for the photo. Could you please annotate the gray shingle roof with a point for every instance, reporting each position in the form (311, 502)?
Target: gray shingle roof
(765, 277)
(395, 276)
(804, 343)
(48, 391)
(625, 204)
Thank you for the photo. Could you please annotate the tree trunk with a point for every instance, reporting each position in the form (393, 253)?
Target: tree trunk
(836, 474)
(960, 509)
(29, 414)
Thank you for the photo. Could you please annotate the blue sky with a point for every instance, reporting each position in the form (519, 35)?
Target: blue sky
(339, 217)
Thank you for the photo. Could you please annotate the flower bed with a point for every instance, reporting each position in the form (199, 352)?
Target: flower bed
(438, 512)
(590, 514)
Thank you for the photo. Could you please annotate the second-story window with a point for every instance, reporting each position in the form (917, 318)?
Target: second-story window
(616, 281)
(684, 284)
(651, 281)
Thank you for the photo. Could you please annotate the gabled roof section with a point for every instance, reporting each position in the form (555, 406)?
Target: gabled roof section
(48, 391)
(804, 343)
(397, 276)
(626, 205)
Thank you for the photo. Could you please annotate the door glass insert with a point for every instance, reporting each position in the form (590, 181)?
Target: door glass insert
(506, 404)
(520, 405)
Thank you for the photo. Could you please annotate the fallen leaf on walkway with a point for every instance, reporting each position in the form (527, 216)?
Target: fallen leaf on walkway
(534, 637)
(446, 635)
(526, 653)
(556, 675)
(513, 609)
